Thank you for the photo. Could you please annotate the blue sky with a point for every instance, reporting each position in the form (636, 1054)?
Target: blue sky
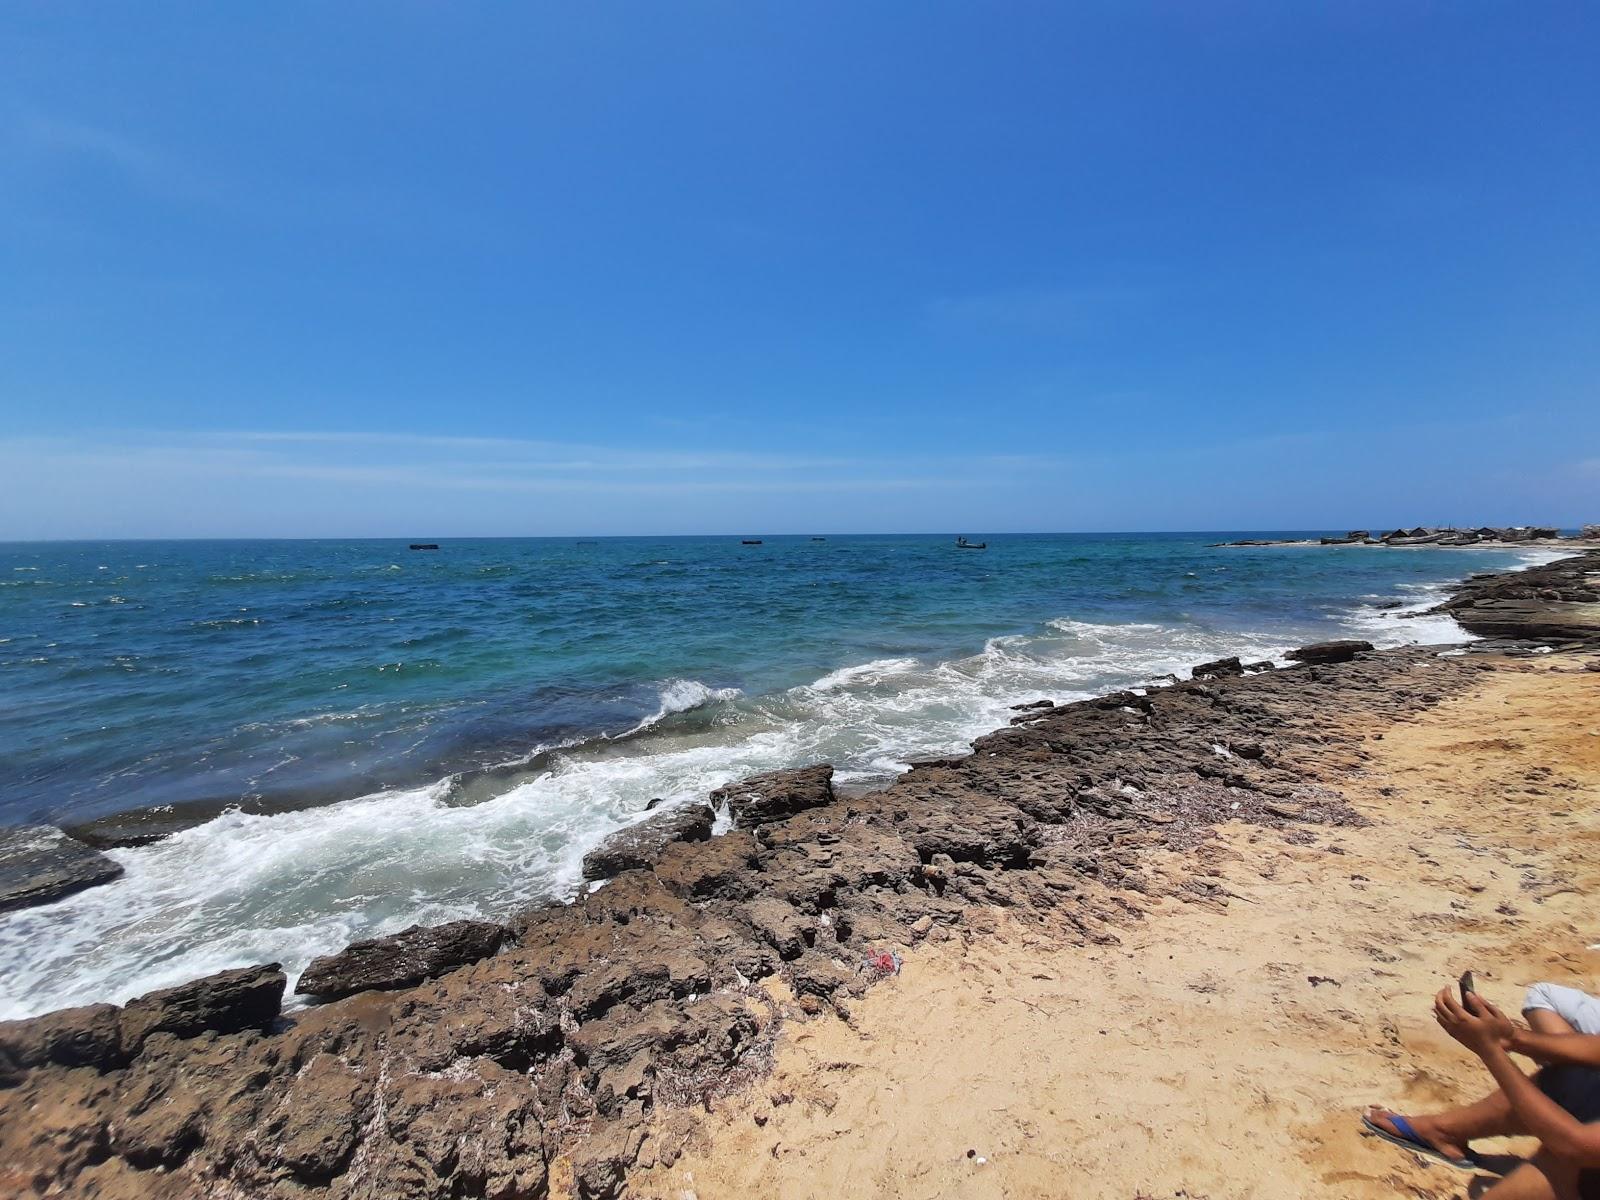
(424, 269)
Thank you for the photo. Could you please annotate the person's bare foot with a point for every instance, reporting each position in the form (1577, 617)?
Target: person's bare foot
(1424, 1127)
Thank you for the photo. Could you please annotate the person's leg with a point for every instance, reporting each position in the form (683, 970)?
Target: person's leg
(1449, 1132)
(1577, 1012)
(1542, 1177)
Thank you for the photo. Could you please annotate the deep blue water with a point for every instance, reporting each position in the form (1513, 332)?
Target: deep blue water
(141, 674)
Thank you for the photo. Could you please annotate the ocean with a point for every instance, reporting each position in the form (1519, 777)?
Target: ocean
(430, 735)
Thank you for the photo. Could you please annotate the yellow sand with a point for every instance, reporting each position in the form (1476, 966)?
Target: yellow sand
(1197, 1061)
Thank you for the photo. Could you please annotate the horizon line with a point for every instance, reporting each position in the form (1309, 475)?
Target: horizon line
(559, 537)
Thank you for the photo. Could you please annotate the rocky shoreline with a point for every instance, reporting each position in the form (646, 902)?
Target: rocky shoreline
(1486, 537)
(562, 1049)
(1555, 604)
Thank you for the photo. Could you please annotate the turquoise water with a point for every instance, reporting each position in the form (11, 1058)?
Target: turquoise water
(469, 721)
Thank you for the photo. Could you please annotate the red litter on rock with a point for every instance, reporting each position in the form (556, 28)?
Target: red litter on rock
(883, 962)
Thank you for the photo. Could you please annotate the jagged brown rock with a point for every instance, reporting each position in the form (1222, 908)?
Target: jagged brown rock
(70, 1037)
(1341, 650)
(777, 794)
(227, 1002)
(1219, 667)
(401, 959)
(640, 845)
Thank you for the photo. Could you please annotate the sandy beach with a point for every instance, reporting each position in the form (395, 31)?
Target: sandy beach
(1225, 1047)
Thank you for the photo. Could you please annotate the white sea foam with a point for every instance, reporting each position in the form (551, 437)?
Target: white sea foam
(1402, 626)
(684, 695)
(289, 886)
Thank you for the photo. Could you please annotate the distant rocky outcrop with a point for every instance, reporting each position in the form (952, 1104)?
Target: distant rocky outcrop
(39, 863)
(1423, 535)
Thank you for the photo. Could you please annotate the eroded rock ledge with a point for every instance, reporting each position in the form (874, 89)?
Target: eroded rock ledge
(1555, 603)
(598, 1028)
(39, 863)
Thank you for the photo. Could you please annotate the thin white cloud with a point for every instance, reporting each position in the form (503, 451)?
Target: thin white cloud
(59, 140)
(74, 138)
(535, 453)
(386, 461)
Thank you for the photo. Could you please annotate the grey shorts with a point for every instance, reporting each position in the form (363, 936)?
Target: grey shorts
(1576, 1089)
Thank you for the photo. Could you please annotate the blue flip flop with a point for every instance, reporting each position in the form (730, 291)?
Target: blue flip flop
(1408, 1140)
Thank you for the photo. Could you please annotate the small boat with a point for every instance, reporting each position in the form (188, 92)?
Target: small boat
(751, 542)
(424, 545)
(817, 539)
(963, 544)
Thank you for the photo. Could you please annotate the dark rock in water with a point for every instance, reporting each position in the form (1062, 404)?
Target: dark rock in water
(777, 794)
(143, 826)
(1033, 704)
(140, 827)
(70, 1037)
(1219, 668)
(1256, 668)
(400, 960)
(932, 762)
(640, 845)
(39, 863)
(227, 1002)
(1339, 651)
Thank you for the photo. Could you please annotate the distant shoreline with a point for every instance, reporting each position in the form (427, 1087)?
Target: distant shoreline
(1573, 545)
